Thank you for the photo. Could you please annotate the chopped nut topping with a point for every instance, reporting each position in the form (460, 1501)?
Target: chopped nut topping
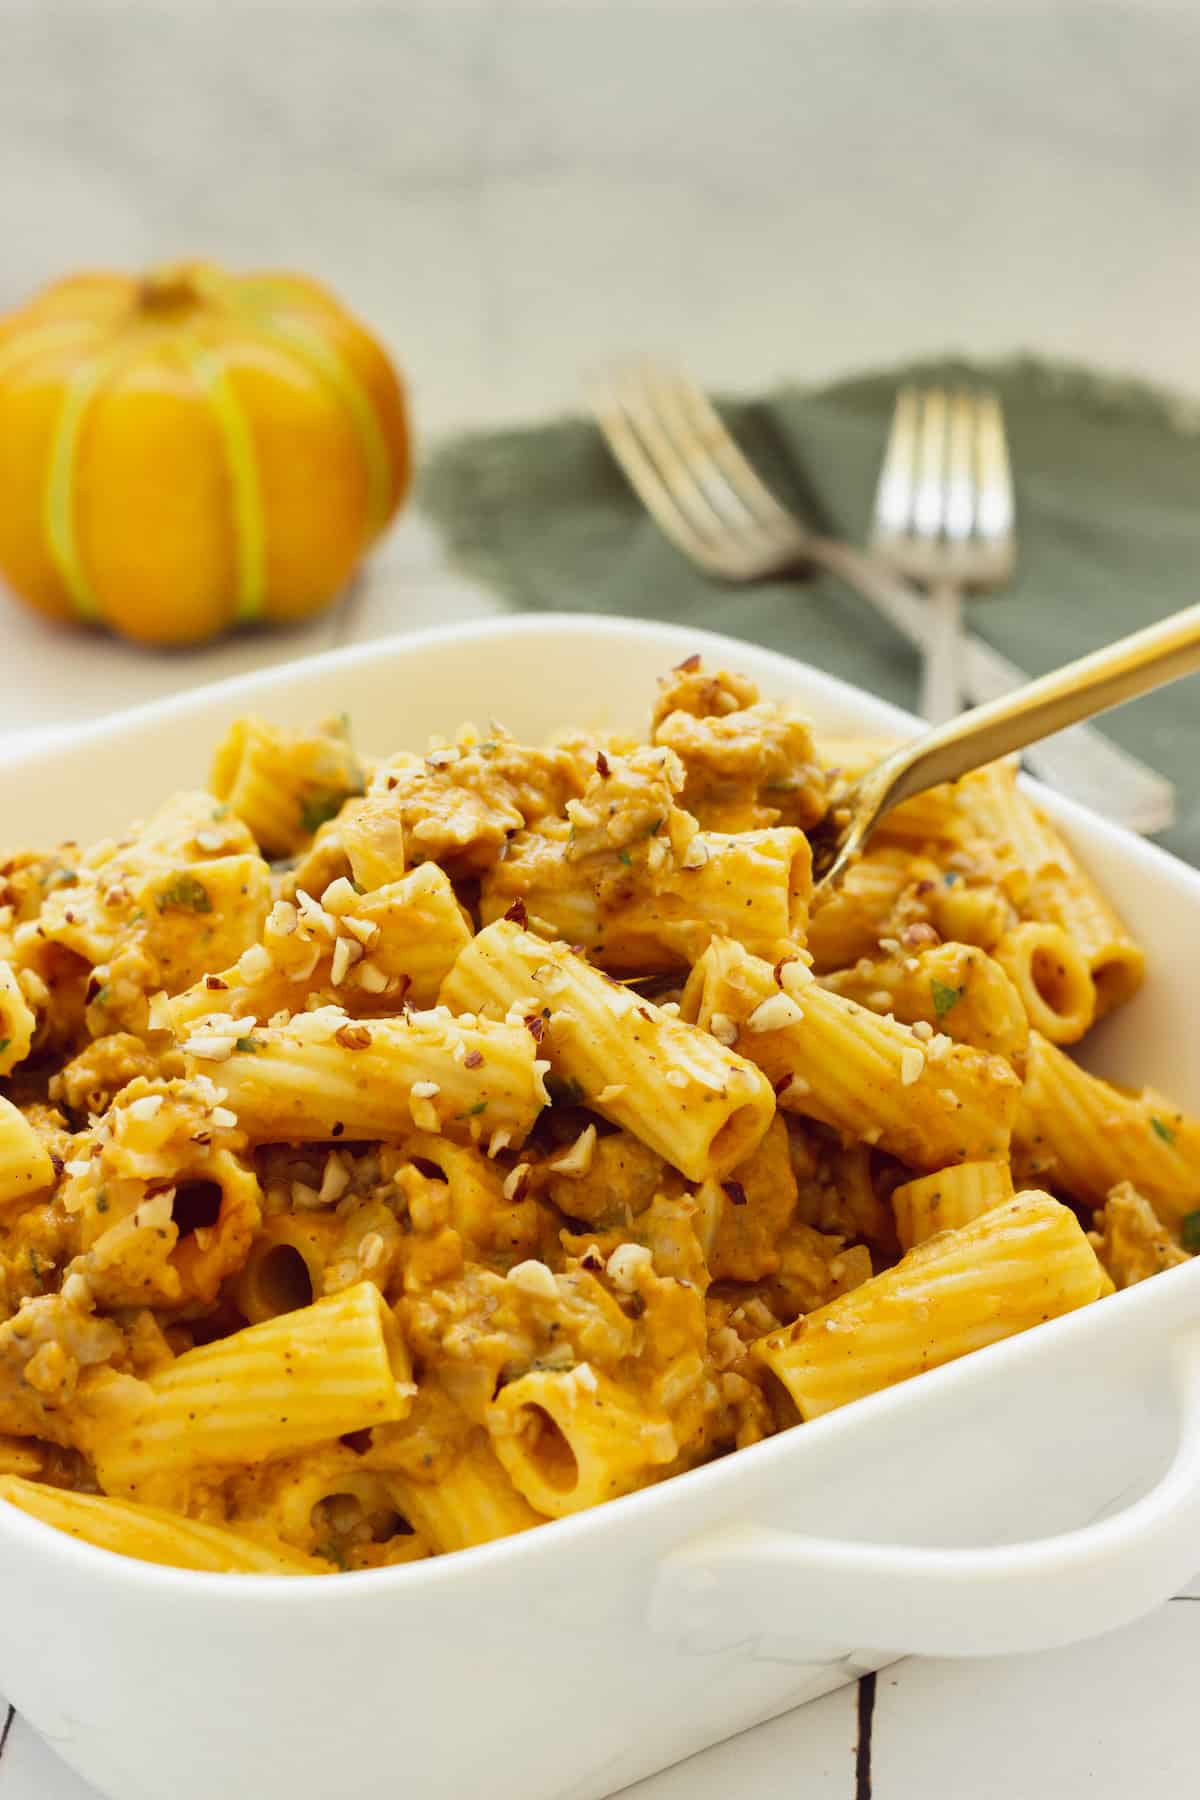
(340, 896)
(723, 1029)
(912, 1065)
(578, 1159)
(625, 1264)
(352, 1037)
(774, 1013)
(146, 1107)
(515, 1180)
(535, 1279)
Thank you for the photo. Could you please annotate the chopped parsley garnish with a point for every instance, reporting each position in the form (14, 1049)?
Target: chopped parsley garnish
(185, 894)
(102, 1201)
(4, 1043)
(473, 1112)
(654, 829)
(951, 876)
(35, 1269)
(61, 877)
(623, 856)
(251, 1044)
(317, 808)
(1164, 1131)
(944, 997)
(1191, 1231)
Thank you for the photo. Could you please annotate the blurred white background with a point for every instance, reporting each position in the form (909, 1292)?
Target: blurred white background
(507, 189)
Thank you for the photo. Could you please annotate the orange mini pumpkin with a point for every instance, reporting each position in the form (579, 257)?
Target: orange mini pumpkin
(192, 449)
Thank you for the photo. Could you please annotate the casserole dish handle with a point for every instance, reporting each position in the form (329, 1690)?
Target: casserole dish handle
(788, 1593)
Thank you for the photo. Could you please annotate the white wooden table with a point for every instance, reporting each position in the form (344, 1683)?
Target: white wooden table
(1104, 1720)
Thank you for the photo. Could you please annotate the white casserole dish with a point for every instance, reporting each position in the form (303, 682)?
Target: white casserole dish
(565, 1663)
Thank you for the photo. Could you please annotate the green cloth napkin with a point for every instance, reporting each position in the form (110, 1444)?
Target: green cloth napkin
(1108, 482)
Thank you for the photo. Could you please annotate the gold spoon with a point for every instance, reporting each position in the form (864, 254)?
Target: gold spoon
(1132, 666)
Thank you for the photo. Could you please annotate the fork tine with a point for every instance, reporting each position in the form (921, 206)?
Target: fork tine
(894, 492)
(994, 519)
(643, 474)
(929, 502)
(634, 384)
(712, 437)
(959, 511)
(666, 389)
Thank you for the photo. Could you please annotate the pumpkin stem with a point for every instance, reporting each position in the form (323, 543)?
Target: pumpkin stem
(171, 288)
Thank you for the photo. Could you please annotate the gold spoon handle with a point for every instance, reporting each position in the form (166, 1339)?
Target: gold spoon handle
(1132, 666)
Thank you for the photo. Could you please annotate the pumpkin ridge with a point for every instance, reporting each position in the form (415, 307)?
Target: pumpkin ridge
(78, 395)
(320, 359)
(59, 334)
(241, 464)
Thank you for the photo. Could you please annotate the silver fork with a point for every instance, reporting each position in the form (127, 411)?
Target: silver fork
(944, 518)
(705, 496)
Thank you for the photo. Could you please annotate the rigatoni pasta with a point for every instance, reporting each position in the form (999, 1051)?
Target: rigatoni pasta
(1015, 1266)
(681, 1091)
(398, 1153)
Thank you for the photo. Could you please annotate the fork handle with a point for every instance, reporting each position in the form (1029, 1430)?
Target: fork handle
(1080, 762)
(941, 679)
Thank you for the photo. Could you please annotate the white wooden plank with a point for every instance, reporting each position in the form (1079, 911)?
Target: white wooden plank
(1106, 1719)
(29, 1770)
(809, 1753)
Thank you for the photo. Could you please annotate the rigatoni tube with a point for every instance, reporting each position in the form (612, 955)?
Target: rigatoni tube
(951, 1198)
(1085, 1135)
(929, 1103)
(699, 1104)
(300, 1379)
(25, 1165)
(958, 989)
(1050, 973)
(1013, 1267)
(323, 1075)
(572, 1438)
(1048, 882)
(660, 913)
(151, 1534)
(17, 1021)
(471, 1502)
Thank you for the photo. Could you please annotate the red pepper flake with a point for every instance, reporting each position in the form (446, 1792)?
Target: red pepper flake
(473, 1059)
(602, 768)
(578, 949)
(925, 887)
(535, 1025)
(645, 1013)
(780, 966)
(689, 665)
(517, 914)
(736, 1192)
(215, 982)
